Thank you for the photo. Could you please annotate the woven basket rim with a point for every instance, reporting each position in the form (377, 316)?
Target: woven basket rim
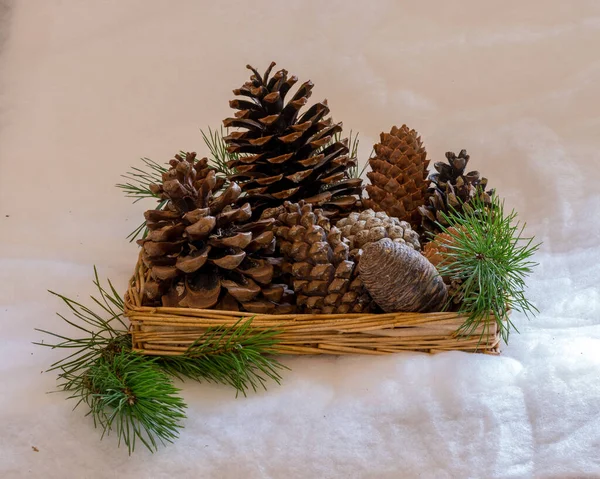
(167, 330)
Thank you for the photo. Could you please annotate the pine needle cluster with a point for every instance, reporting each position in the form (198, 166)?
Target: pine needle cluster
(133, 395)
(353, 143)
(138, 179)
(219, 156)
(490, 258)
(236, 356)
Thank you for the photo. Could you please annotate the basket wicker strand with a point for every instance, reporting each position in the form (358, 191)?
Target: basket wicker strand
(171, 331)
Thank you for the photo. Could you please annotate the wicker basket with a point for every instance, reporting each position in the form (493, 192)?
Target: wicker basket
(170, 331)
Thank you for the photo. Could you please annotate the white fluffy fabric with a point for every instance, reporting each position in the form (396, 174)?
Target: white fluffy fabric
(87, 87)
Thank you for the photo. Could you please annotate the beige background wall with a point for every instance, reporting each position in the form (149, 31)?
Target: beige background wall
(88, 87)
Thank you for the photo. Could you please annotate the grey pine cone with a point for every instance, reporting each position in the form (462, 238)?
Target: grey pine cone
(368, 227)
(400, 278)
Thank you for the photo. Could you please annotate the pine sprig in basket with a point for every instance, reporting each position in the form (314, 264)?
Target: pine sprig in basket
(353, 141)
(488, 257)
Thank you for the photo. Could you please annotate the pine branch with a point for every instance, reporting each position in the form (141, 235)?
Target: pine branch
(133, 394)
(237, 355)
(130, 394)
(124, 391)
(490, 258)
(353, 142)
(142, 231)
(139, 179)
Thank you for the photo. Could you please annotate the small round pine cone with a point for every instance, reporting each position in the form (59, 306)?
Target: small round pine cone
(369, 226)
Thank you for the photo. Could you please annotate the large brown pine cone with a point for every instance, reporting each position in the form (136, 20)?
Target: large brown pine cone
(324, 275)
(399, 175)
(450, 189)
(203, 250)
(285, 156)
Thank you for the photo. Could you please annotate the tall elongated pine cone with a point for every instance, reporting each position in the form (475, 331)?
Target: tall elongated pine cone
(451, 188)
(324, 275)
(203, 250)
(367, 227)
(285, 155)
(399, 175)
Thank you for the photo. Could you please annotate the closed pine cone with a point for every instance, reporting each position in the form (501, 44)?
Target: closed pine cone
(400, 278)
(451, 188)
(324, 275)
(203, 250)
(368, 227)
(399, 175)
(285, 155)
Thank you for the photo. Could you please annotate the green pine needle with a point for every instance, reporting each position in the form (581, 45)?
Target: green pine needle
(138, 187)
(490, 257)
(219, 156)
(142, 231)
(124, 391)
(139, 180)
(353, 142)
(132, 394)
(237, 356)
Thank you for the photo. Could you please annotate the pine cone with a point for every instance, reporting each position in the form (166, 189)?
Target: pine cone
(285, 155)
(400, 278)
(437, 248)
(203, 251)
(368, 227)
(324, 275)
(435, 251)
(451, 189)
(455, 294)
(399, 175)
